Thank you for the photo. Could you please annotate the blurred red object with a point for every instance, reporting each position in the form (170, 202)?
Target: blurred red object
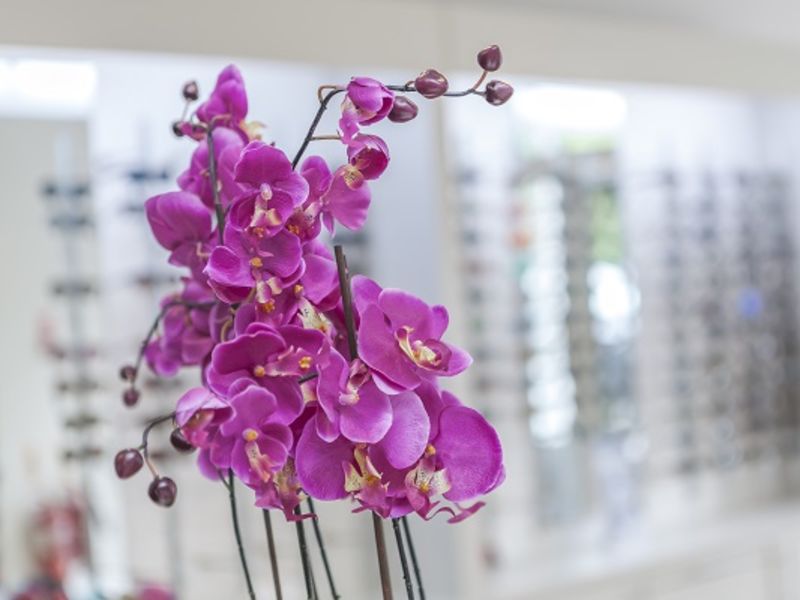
(58, 538)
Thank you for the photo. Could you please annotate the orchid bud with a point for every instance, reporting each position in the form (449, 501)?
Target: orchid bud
(431, 84)
(498, 92)
(403, 110)
(127, 373)
(490, 58)
(179, 442)
(177, 128)
(130, 397)
(162, 491)
(127, 463)
(190, 91)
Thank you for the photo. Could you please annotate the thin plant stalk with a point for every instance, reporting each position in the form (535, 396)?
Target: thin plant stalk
(414, 561)
(213, 180)
(398, 536)
(377, 523)
(323, 553)
(238, 533)
(273, 555)
(308, 574)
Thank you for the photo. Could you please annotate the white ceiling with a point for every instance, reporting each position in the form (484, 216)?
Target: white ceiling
(767, 21)
(736, 44)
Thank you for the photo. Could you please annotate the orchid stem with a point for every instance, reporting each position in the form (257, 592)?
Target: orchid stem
(145, 439)
(273, 555)
(414, 561)
(212, 174)
(347, 306)
(323, 553)
(308, 574)
(347, 300)
(320, 111)
(237, 532)
(398, 536)
(383, 561)
(409, 88)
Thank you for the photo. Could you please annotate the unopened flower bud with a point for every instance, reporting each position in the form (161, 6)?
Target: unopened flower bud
(179, 442)
(127, 373)
(490, 58)
(190, 91)
(162, 491)
(130, 397)
(498, 92)
(431, 84)
(177, 128)
(127, 463)
(403, 110)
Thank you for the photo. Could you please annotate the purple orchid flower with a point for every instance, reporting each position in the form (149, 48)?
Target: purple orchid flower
(463, 461)
(367, 101)
(244, 263)
(199, 413)
(273, 193)
(253, 442)
(181, 223)
(351, 403)
(283, 493)
(227, 149)
(321, 278)
(336, 469)
(399, 337)
(336, 196)
(187, 336)
(274, 358)
(368, 156)
(227, 104)
(280, 406)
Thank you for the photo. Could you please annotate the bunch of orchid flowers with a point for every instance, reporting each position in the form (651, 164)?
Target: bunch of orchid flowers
(313, 385)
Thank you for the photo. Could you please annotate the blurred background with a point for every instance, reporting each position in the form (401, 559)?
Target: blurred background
(617, 246)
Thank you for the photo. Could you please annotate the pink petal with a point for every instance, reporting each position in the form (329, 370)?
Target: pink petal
(379, 349)
(406, 439)
(319, 464)
(469, 448)
(370, 418)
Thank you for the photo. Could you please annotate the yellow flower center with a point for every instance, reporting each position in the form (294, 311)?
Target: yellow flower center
(259, 371)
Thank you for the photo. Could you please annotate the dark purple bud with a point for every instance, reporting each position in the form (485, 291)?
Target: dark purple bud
(403, 110)
(162, 491)
(127, 463)
(130, 397)
(498, 92)
(179, 442)
(490, 58)
(177, 128)
(190, 91)
(127, 373)
(431, 84)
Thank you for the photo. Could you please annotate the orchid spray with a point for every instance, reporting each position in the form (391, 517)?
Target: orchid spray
(314, 386)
